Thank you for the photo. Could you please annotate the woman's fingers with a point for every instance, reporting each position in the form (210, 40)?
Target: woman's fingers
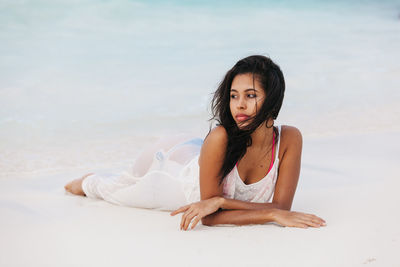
(314, 217)
(190, 212)
(187, 219)
(183, 219)
(316, 220)
(302, 220)
(312, 220)
(302, 225)
(195, 221)
(311, 223)
(298, 219)
(181, 209)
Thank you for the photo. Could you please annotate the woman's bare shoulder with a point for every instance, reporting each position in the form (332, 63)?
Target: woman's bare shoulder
(218, 135)
(215, 143)
(290, 132)
(211, 159)
(291, 138)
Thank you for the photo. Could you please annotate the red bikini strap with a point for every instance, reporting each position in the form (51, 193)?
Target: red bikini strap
(273, 152)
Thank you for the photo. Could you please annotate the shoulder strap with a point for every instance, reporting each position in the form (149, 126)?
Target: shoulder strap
(279, 142)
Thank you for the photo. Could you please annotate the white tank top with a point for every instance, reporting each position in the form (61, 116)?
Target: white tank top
(261, 191)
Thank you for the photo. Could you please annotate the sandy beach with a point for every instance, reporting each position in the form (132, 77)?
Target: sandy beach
(41, 225)
(86, 85)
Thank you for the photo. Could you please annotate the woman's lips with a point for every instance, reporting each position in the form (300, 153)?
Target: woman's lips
(241, 117)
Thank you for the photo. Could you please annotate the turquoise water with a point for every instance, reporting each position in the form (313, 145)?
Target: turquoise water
(72, 71)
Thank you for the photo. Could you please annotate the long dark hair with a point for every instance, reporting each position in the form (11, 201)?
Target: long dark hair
(270, 76)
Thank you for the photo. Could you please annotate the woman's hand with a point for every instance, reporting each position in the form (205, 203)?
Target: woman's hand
(297, 219)
(197, 210)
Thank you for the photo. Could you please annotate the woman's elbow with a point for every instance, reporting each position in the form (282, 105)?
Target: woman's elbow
(206, 221)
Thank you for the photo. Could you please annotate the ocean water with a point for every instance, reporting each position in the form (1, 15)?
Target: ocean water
(87, 84)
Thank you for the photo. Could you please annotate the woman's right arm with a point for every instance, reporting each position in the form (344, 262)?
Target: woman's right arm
(211, 158)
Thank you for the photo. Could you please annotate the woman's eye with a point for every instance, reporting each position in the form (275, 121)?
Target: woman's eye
(251, 95)
(233, 96)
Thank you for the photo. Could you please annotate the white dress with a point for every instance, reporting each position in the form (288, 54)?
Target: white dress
(172, 181)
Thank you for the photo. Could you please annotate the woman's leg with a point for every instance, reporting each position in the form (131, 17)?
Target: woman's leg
(158, 190)
(145, 159)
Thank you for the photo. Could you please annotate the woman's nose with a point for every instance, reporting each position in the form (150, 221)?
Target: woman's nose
(241, 103)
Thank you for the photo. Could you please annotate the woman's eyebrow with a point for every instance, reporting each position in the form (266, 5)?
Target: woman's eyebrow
(249, 89)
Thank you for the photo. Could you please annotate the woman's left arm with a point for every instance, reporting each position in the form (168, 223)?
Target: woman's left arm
(289, 167)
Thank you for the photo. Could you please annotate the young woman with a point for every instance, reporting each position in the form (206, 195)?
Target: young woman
(231, 177)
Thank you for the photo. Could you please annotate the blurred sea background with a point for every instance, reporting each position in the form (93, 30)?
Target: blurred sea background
(88, 84)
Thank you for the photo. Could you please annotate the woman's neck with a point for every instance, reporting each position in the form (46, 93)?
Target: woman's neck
(262, 136)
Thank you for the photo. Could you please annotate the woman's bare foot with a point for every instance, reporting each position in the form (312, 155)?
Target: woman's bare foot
(75, 186)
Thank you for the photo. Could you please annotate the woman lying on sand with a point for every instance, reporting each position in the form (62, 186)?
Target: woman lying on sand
(231, 176)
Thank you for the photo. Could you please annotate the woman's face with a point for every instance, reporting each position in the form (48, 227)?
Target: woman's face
(246, 98)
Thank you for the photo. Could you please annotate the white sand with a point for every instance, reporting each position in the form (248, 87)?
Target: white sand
(350, 181)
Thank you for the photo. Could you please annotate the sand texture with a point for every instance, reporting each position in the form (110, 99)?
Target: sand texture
(350, 181)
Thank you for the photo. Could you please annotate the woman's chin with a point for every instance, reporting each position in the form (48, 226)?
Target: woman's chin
(242, 125)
